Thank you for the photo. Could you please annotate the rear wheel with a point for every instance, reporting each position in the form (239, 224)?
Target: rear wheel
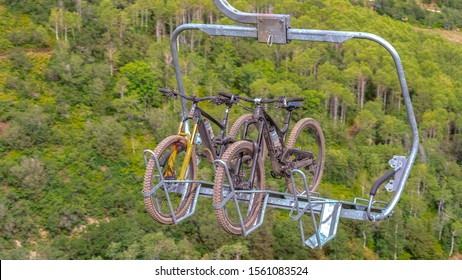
(307, 135)
(237, 130)
(170, 153)
(239, 159)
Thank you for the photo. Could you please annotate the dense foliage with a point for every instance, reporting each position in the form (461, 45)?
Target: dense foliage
(78, 105)
(430, 13)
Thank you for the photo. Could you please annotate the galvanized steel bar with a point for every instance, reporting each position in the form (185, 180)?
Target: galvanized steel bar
(285, 201)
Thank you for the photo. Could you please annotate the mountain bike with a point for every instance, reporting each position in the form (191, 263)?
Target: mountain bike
(243, 161)
(170, 179)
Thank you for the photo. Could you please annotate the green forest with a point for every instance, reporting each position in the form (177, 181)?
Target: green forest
(79, 104)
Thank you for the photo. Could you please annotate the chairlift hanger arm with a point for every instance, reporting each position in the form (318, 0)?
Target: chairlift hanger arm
(235, 14)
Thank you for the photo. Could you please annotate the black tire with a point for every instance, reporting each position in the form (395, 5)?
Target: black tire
(237, 129)
(307, 135)
(228, 216)
(157, 204)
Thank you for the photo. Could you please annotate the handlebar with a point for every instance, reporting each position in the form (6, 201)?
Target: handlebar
(228, 98)
(175, 94)
(281, 99)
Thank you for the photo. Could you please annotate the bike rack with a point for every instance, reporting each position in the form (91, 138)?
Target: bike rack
(309, 203)
(275, 29)
(163, 184)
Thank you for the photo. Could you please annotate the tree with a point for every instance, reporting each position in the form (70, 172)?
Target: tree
(363, 126)
(250, 73)
(392, 130)
(62, 21)
(113, 23)
(435, 123)
(30, 176)
(20, 61)
(456, 231)
(359, 73)
(28, 129)
(236, 251)
(106, 137)
(419, 241)
(143, 82)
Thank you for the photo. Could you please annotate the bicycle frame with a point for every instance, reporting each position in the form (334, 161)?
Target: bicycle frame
(196, 115)
(265, 121)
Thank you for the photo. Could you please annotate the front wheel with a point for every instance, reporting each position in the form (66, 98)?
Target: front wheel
(307, 136)
(173, 197)
(239, 160)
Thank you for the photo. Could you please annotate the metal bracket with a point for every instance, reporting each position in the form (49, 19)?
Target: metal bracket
(397, 162)
(272, 29)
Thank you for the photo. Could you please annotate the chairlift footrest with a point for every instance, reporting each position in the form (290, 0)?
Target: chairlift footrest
(328, 223)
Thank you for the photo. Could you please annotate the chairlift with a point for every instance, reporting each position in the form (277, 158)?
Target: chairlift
(324, 213)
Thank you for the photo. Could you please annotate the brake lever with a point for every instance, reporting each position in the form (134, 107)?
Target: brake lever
(168, 93)
(217, 101)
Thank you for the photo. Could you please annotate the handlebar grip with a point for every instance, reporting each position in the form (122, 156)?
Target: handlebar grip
(166, 90)
(295, 99)
(381, 180)
(225, 94)
(169, 92)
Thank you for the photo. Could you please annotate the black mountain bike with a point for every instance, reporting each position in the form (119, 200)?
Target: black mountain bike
(304, 149)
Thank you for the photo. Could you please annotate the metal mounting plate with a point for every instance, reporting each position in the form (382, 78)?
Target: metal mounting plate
(272, 29)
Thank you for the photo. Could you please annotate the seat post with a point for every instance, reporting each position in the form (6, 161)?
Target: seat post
(285, 128)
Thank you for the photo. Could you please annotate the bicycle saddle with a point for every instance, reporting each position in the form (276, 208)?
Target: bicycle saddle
(293, 105)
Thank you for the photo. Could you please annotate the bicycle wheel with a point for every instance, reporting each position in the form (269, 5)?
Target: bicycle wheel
(307, 135)
(239, 158)
(237, 130)
(171, 154)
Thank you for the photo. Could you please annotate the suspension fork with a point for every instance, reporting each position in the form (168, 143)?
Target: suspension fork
(189, 150)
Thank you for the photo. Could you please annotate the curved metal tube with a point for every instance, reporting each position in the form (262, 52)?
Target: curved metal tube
(235, 14)
(341, 36)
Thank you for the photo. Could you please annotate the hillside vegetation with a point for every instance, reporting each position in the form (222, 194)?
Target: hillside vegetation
(79, 104)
